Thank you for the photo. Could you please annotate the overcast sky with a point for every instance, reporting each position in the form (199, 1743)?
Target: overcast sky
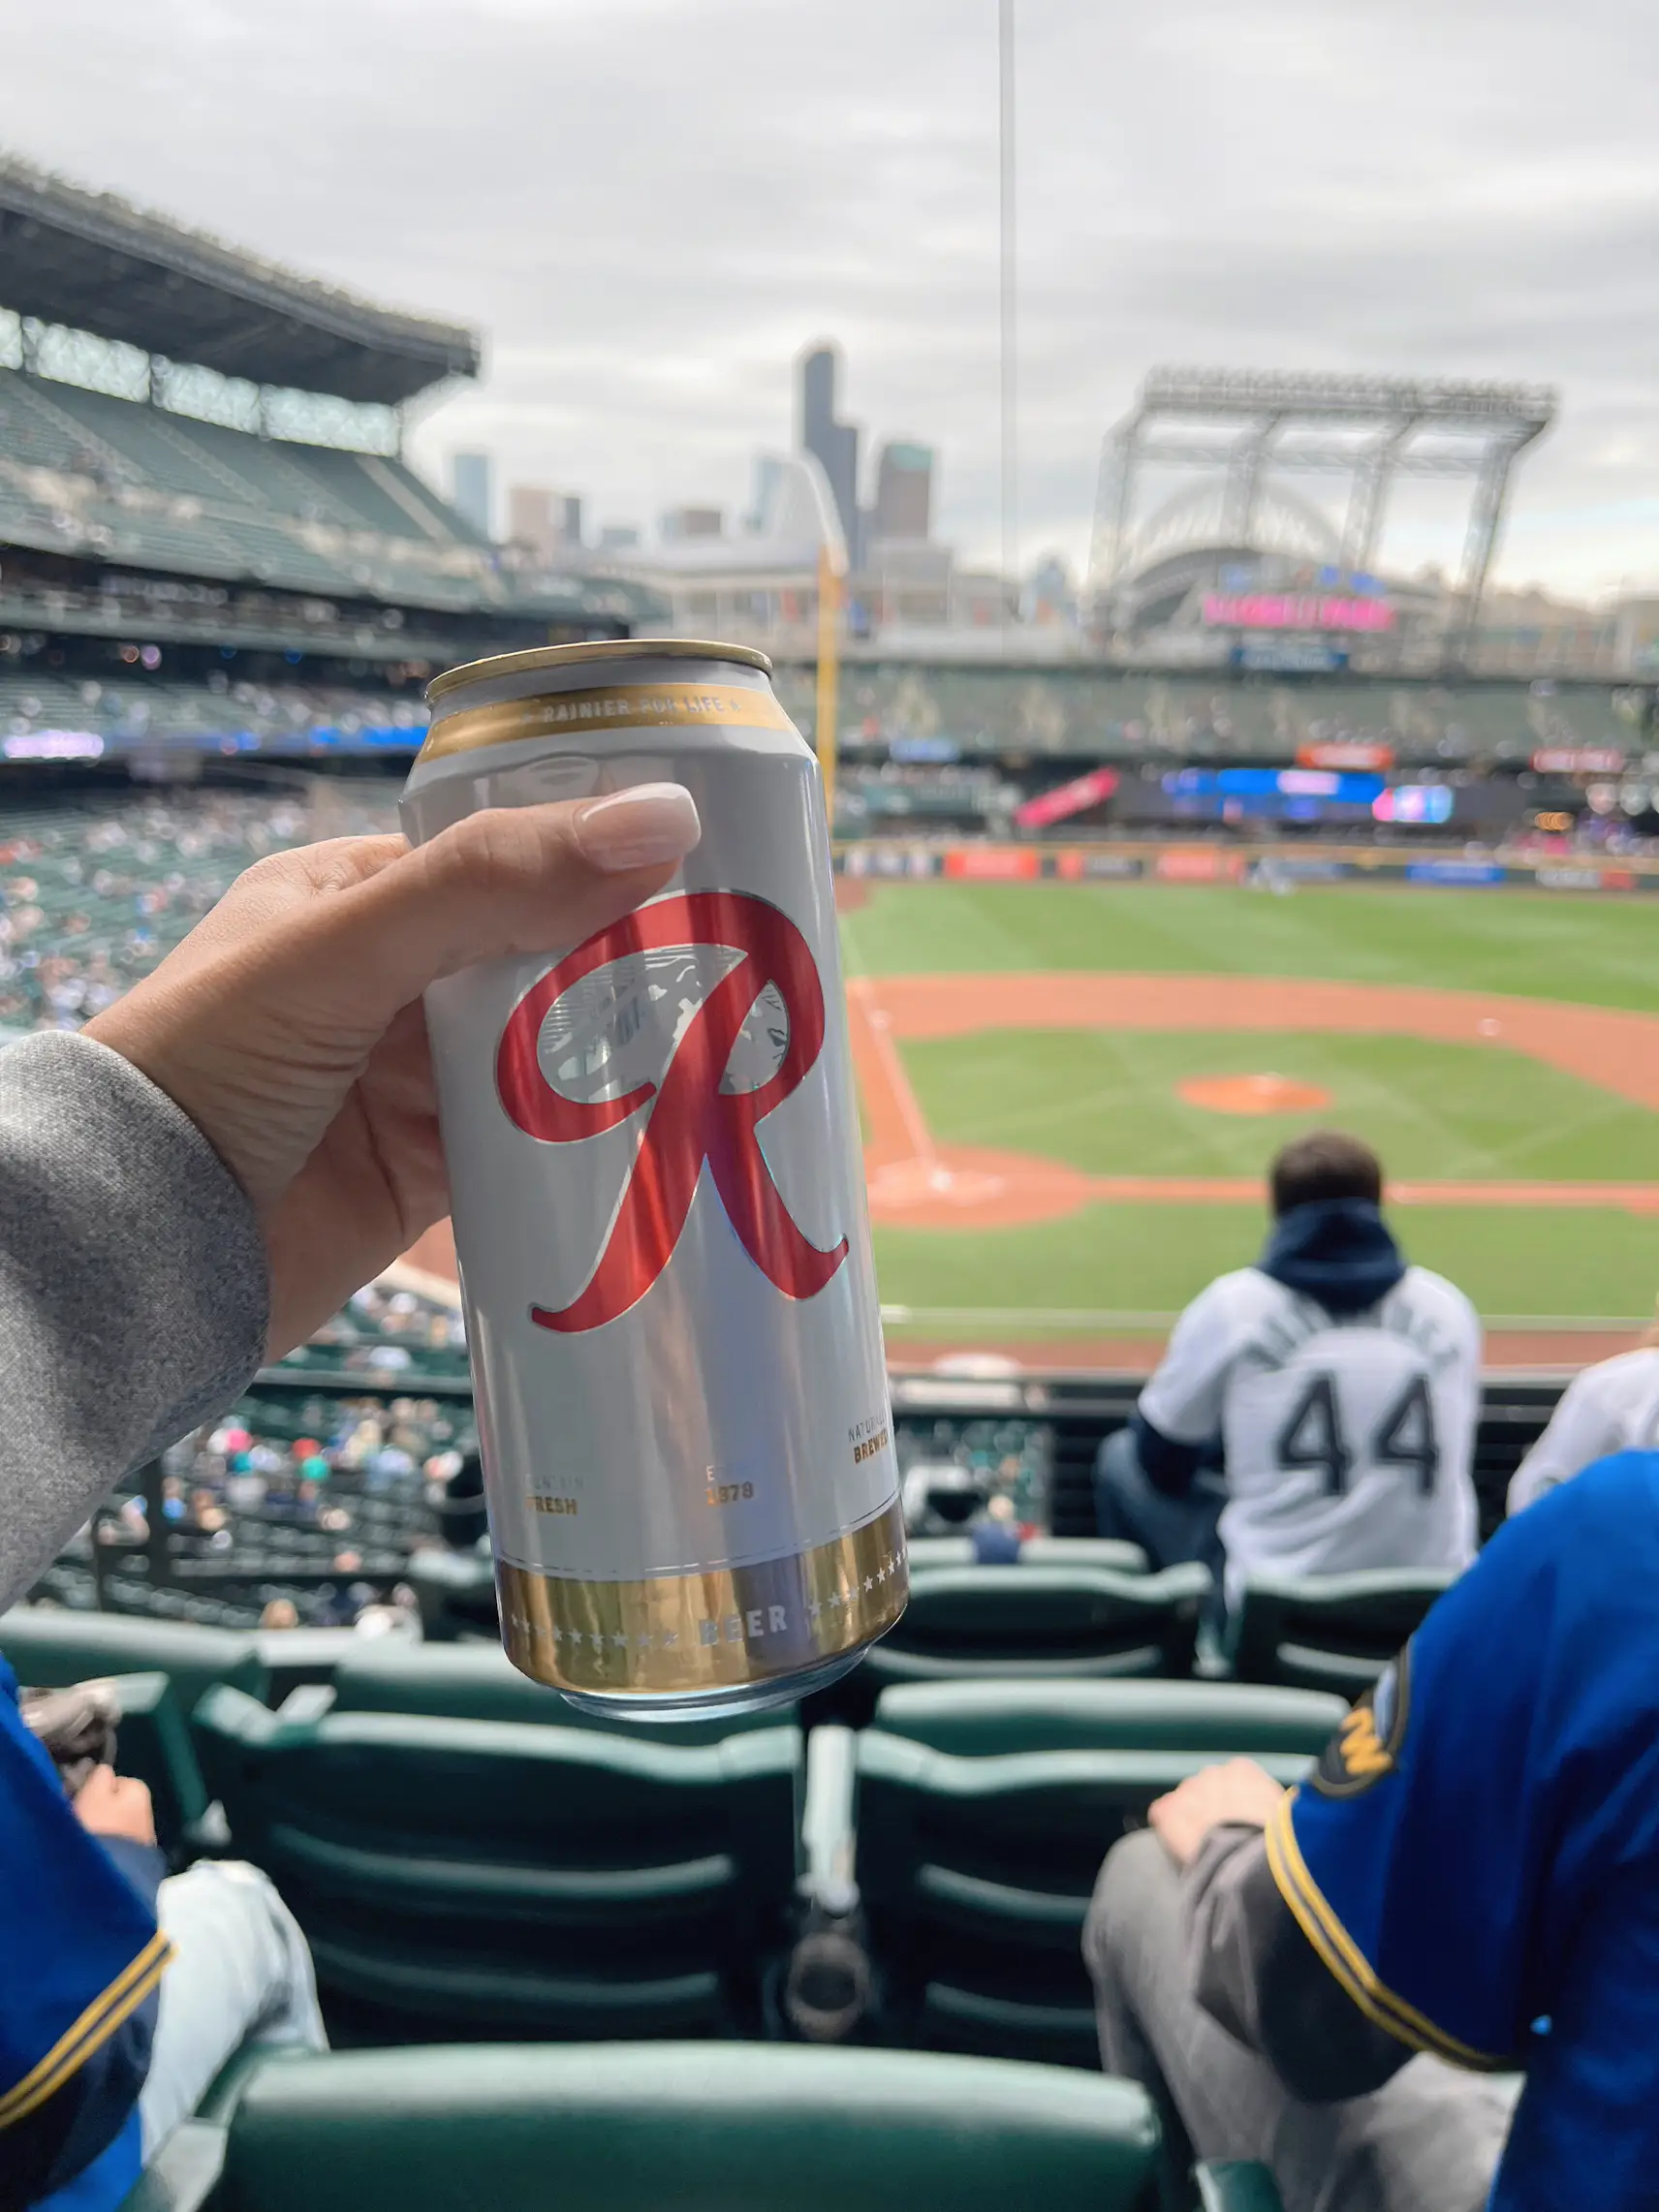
(650, 205)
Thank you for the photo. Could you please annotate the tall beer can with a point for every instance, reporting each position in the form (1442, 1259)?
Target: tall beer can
(659, 1205)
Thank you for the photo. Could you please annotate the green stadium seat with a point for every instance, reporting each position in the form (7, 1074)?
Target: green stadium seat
(1329, 1632)
(1236, 2185)
(986, 1719)
(455, 1592)
(675, 2128)
(964, 1623)
(478, 1682)
(291, 1656)
(929, 1552)
(481, 1877)
(48, 1649)
(976, 1872)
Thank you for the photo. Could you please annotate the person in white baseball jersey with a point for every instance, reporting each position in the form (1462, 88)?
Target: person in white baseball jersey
(1610, 1407)
(1338, 1387)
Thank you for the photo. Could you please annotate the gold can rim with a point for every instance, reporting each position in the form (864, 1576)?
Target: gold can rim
(593, 649)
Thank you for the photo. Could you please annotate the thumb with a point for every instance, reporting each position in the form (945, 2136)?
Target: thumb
(509, 880)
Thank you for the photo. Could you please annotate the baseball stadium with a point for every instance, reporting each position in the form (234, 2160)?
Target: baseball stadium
(1119, 933)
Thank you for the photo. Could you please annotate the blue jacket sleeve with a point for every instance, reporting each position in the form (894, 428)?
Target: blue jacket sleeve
(81, 1958)
(1468, 1814)
(1168, 1464)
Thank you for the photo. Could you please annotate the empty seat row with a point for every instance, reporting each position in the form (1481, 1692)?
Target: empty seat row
(480, 1878)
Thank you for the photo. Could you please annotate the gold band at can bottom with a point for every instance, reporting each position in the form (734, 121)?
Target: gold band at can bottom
(724, 1629)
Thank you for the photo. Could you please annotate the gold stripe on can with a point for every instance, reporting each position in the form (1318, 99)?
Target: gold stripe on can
(618, 706)
(713, 1629)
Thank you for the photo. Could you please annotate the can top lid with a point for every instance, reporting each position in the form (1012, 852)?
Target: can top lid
(596, 649)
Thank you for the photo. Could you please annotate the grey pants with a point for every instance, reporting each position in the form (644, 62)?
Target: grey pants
(240, 1973)
(1428, 2142)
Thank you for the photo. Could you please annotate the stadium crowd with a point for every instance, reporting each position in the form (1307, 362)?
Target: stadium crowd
(1423, 1978)
(95, 890)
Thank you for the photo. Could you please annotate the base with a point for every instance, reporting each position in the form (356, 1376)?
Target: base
(713, 1704)
(719, 1639)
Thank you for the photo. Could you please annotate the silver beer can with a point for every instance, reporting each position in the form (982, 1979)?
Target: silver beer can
(659, 1205)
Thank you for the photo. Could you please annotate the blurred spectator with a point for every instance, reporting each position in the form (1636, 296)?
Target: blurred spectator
(1610, 1407)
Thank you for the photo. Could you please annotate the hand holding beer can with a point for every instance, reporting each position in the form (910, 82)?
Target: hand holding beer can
(659, 1205)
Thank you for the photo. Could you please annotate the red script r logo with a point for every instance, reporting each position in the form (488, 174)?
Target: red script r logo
(692, 1120)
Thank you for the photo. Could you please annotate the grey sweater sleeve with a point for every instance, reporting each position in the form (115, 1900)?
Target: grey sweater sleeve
(133, 1294)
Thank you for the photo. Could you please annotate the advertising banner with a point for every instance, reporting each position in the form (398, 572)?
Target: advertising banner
(993, 864)
(1568, 879)
(1067, 799)
(1294, 610)
(1200, 865)
(1577, 760)
(1467, 874)
(1097, 867)
(1346, 753)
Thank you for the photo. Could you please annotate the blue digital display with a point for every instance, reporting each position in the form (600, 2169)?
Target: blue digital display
(1329, 785)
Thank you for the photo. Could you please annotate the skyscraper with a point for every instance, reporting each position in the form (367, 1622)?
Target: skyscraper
(547, 522)
(904, 492)
(470, 477)
(834, 443)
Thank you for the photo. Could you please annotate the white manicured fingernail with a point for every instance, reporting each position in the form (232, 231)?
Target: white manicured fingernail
(637, 829)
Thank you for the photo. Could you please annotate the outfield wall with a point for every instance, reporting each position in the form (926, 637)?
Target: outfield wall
(1187, 861)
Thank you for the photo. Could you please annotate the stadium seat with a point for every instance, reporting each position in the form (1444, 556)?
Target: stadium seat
(1236, 2185)
(49, 1648)
(455, 1592)
(987, 1719)
(670, 2128)
(463, 1876)
(964, 1623)
(1329, 1632)
(478, 1682)
(976, 1872)
(929, 1552)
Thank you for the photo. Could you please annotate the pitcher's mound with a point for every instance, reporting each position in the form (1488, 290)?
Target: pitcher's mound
(1253, 1094)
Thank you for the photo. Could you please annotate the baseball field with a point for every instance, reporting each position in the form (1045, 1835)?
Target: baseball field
(1070, 1091)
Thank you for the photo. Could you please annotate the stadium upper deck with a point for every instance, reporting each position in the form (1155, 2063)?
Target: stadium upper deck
(174, 409)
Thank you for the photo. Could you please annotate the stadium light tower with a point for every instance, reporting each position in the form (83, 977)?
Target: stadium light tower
(1008, 302)
(1370, 430)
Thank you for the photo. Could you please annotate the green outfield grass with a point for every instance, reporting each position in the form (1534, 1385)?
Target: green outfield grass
(1143, 1259)
(1604, 951)
(1104, 1102)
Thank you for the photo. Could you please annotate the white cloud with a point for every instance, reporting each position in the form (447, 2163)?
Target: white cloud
(649, 204)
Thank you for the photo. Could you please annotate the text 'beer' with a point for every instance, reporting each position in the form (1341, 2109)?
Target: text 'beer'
(659, 1205)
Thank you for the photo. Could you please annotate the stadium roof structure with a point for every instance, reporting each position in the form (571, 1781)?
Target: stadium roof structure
(94, 261)
(1243, 424)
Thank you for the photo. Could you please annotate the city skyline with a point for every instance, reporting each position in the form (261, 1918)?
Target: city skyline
(1459, 196)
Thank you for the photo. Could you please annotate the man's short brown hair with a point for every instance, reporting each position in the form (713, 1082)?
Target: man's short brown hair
(1325, 1164)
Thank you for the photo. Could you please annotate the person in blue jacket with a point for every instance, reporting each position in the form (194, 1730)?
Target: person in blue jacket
(193, 1182)
(1353, 1979)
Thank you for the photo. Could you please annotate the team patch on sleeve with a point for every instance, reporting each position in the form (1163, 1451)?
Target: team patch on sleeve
(1366, 1747)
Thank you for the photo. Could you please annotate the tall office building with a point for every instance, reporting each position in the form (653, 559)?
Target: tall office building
(547, 522)
(472, 490)
(904, 492)
(834, 443)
